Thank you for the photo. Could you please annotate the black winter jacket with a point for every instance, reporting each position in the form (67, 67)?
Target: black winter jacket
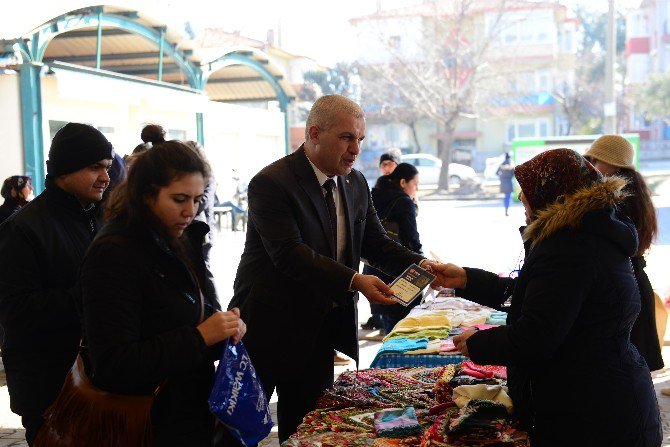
(396, 206)
(9, 207)
(42, 246)
(567, 339)
(141, 307)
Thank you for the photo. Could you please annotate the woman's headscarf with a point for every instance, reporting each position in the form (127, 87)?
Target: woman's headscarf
(552, 174)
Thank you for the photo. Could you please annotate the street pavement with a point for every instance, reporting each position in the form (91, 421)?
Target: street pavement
(466, 232)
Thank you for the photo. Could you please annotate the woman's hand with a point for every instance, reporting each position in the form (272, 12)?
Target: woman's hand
(460, 341)
(446, 275)
(222, 325)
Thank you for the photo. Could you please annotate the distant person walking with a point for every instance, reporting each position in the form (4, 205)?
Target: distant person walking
(506, 173)
(17, 191)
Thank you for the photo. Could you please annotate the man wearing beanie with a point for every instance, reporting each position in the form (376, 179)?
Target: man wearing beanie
(42, 246)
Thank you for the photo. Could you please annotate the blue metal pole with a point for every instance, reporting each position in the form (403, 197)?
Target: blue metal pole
(160, 56)
(98, 46)
(283, 106)
(200, 128)
(31, 120)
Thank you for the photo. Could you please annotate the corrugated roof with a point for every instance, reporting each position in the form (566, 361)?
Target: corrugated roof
(131, 54)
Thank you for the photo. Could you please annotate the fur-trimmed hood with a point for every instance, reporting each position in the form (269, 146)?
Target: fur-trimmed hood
(570, 212)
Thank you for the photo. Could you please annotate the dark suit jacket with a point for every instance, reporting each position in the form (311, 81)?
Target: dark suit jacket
(287, 281)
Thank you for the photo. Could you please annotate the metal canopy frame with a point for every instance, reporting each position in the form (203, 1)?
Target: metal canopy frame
(245, 56)
(77, 23)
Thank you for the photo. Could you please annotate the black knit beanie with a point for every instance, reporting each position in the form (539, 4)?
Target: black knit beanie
(76, 146)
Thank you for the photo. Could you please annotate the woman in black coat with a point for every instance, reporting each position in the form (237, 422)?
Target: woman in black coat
(150, 313)
(17, 191)
(393, 197)
(614, 155)
(573, 374)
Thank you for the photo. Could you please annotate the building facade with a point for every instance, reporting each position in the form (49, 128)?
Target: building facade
(523, 55)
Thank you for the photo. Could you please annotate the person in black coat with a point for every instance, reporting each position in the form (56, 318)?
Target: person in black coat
(160, 322)
(393, 198)
(42, 246)
(17, 191)
(614, 155)
(573, 374)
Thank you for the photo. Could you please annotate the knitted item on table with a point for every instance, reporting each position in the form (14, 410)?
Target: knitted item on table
(497, 318)
(480, 420)
(431, 334)
(464, 394)
(494, 370)
(397, 423)
(432, 347)
(403, 345)
(414, 324)
(442, 390)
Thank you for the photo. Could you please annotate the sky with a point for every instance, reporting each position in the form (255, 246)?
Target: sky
(318, 29)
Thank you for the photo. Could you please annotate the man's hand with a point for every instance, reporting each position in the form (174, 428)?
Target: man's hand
(446, 275)
(373, 288)
(460, 341)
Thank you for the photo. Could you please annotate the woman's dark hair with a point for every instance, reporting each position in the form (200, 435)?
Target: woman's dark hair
(640, 208)
(404, 171)
(148, 173)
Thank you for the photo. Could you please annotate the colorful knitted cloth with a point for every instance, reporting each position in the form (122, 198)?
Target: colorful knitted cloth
(498, 318)
(403, 345)
(397, 423)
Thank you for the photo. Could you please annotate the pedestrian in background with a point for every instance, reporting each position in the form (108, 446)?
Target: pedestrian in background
(393, 198)
(506, 173)
(159, 321)
(206, 206)
(614, 155)
(566, 343)
(42, 246)
(388, 161)
(17, 191)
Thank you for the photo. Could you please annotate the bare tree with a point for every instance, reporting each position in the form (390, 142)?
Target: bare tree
(454, 69)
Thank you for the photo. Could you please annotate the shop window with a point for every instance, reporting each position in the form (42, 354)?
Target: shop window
(176, 134)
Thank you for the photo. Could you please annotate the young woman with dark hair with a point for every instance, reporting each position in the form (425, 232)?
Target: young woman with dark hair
(614, 155)
(393, 197)
(150, 313)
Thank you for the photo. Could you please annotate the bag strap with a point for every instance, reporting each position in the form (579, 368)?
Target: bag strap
(389, 209)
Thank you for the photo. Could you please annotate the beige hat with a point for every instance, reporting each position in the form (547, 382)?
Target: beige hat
(614, 150)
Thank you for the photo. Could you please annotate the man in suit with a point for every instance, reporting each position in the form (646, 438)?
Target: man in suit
(297, 280)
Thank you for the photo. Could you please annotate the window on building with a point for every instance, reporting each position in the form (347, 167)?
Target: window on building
(176, 134)
(394, 42)
(54, 126)
(527, 128)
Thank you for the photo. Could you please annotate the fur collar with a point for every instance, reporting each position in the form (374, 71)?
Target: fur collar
(569, 211)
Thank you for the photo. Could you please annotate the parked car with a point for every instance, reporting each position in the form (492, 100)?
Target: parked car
(429, 168)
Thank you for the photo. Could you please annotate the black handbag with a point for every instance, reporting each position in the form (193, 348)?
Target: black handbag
(392, 228)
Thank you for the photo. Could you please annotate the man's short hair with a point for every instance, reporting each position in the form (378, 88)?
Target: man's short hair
(322, 114)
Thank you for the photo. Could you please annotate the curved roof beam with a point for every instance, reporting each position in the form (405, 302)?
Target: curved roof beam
(241, 56)
(94, 17)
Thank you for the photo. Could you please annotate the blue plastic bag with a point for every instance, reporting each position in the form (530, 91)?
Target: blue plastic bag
(237, 398)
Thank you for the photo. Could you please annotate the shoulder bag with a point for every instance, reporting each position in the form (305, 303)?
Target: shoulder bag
(392, 228)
